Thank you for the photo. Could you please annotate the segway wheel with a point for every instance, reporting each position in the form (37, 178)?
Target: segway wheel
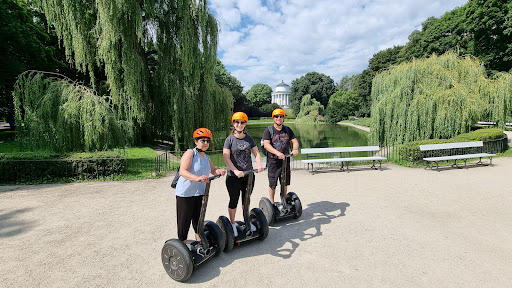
(259, 220)
(292, 198)
(227, 230)
(214, 236)
(177, 260)
(268, 209)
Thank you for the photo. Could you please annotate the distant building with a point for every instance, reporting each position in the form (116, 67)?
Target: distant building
(281, 95)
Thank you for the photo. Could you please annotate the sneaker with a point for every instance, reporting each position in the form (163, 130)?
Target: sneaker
(253, 228)
(235, 232)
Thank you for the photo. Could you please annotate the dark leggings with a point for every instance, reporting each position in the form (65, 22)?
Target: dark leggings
(236, 186)
(188, 210)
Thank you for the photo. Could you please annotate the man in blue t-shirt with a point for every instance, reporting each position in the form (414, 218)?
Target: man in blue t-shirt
(277, 147)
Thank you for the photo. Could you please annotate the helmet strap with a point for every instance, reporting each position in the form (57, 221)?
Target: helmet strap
(199, 150)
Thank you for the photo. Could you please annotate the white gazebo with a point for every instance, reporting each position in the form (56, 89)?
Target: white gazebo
(281, 95)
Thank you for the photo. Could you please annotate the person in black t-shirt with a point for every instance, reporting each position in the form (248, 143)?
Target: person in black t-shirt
(277, 147)
(237, 155)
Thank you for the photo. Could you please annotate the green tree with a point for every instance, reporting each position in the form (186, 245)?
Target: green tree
(319, 86)
(159, 59)
(347, 83)
(311, 111)
(436, 97)
(23, 47)
(341, 105)
(225, 80)
(259, 95)
(363, 87)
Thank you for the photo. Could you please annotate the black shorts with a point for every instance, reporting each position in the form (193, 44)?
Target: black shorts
(188, 210)
(274, 168)
(236, 186)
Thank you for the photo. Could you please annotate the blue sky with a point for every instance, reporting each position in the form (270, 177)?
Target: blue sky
(273, 40)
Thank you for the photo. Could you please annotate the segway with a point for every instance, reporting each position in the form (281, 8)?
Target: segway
(289, 207)
(256, 217)
(181, 260)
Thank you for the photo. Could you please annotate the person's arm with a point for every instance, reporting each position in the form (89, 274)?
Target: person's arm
(256, 154)
(227, 159)
(270, 149)
(185, 164)
(295, 144)
(216, 171)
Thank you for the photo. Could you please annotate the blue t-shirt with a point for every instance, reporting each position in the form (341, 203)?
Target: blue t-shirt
(240, 152)
(200, 166)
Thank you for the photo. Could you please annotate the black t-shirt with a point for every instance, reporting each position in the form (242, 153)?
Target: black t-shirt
(240, 152)
(281, 141)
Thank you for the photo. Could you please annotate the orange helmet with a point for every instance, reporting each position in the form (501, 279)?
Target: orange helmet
(278, 111)
(202, 132)
(239, 116)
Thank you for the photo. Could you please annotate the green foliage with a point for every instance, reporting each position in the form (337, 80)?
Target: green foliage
(439, 97)
(411, 151)
(341, 105)
(259, 95)
(310, 111)
(225, 80)
(266, 110)
(159, 59)
(319, 86)
(23, 46)
(347, 83)
(61, 116)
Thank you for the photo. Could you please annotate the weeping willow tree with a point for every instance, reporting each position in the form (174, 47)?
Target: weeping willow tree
(438, 97)
(61, 115)
(158, 58)
(310, 111)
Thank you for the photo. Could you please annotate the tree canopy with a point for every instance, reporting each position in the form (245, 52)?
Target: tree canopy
(319, 86)
(259, 95)
(159, 59)
(437, 97)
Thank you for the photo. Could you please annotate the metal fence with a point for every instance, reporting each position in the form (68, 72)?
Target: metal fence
(51, 170)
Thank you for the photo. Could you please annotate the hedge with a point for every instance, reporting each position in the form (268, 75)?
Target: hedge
(411, 151)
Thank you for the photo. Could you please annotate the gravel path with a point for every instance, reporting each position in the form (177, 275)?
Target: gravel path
(400, 227)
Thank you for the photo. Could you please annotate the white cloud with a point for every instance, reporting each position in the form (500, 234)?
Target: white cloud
(285, 39)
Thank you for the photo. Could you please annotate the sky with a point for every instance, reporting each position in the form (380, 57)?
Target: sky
(271, 41)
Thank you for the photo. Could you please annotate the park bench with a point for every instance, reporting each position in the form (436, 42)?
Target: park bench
(341, 155)
(490, 124)
(454, 151)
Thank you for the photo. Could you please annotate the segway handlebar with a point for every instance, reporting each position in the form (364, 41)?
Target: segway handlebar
(252, 171)
(212, 177)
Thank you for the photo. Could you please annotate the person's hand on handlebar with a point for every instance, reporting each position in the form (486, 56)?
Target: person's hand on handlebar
(280, 155)
(260, 169)
(295, 152)
(238, 173)
(220, 171)
(203, 179)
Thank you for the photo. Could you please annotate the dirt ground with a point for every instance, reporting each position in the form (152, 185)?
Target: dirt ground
(400, 227)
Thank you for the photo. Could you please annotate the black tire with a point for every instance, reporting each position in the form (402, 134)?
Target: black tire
(268, 209)
(214, 236)
(295, 201)
(177, 260)
(259, 220)
(225, 226)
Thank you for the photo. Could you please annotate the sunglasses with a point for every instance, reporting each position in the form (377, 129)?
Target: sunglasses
(205, 140)
(279, 116)
(239, 122)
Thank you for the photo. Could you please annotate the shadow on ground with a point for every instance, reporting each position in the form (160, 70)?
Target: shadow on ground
(10, 225)
(283, 240)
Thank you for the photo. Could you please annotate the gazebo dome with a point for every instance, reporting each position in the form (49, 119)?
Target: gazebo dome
(282, 88)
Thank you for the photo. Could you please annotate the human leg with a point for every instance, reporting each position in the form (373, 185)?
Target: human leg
(197, 202)
(183, 216)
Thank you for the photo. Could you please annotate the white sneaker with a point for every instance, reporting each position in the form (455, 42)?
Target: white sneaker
(253, 228)
(235, 232)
